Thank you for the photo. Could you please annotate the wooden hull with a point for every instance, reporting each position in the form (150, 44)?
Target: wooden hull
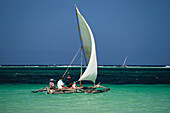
(91, 90)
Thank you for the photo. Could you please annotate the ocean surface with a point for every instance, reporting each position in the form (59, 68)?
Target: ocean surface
(106, 74)
(133, 90)
(131, 98)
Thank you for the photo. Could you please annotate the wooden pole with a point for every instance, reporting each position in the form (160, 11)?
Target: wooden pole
(80, 35)
(81, 65)
(80, 41)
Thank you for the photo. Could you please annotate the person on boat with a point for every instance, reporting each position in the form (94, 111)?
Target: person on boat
(60, 83)
(51, 84)
(74, 86)
(68, 83)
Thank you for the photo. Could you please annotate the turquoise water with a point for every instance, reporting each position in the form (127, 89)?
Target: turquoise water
(17, 98)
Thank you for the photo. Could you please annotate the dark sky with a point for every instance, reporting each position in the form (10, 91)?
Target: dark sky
(45, 31)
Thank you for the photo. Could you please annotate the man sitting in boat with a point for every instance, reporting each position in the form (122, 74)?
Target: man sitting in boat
(74, 85)
(68, 83)
(60, 83)
(52, 84)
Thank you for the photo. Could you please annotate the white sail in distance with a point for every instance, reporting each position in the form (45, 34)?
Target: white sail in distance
(124, 61)
(88, 43)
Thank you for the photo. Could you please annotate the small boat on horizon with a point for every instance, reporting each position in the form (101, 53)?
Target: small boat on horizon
(124, 63)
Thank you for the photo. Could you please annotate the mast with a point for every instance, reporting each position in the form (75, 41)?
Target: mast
(81, 65)
(81, 72)
(80, 35)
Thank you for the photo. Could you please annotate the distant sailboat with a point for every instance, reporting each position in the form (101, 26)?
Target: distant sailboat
(124, 63)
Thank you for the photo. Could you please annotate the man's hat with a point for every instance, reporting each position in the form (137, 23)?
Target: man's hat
(68, 77)
(51, 80)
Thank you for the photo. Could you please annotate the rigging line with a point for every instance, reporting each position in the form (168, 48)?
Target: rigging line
(71, 62)
(76, 60)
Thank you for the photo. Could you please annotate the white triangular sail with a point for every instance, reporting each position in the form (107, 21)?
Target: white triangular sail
(124, 61)
(88, 42)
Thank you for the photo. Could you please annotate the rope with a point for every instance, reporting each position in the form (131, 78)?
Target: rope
(76, 60)
(71, 62)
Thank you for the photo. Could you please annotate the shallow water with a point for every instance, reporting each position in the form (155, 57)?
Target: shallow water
(17, 98)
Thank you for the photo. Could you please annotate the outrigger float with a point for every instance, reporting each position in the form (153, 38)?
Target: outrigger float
(89, 51)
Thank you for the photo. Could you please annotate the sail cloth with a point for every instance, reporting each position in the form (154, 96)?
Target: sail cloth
(88, 42)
